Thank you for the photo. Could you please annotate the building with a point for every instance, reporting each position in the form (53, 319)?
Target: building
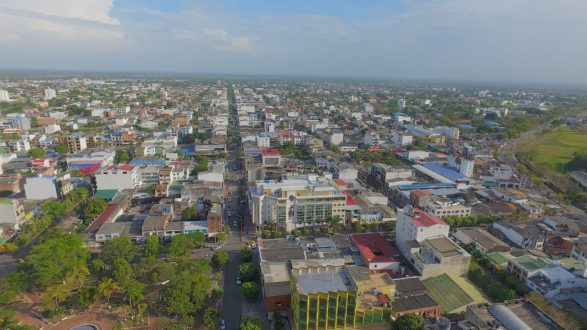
(76, 142)
(271, 158)
(4, 96)
(118, 177)
(376, 252)
(215, 220)
(336, 138)
(402, 139)
(526, 266)
(438, 255)
(334, 297)
(481, 240)
(296, 202)
(525, 235)
(411, 297)
(50, 94)
(416, 225)
(11, 211)
(47, 186)
(509, 315)
(579, 252)
(441, 207)
(580, 177)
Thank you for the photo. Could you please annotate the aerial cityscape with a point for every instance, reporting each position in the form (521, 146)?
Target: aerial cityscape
(183, 165)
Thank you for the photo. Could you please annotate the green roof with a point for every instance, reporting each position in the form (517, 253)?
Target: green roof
(106, 193)
(5, 201)
(531, 264)
(497, 258)
(572, 263)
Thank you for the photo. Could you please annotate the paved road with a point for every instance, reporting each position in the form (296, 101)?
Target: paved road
(232, 300)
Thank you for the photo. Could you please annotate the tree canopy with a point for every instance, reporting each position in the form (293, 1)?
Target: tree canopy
(408, 322)
(119, 247)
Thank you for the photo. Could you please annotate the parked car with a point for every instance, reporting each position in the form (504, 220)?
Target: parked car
(238, 280)
(222, 325)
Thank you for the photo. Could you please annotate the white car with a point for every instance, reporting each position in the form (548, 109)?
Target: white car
(238, 281)
(222, 325)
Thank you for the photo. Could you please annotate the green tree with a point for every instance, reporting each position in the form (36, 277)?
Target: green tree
(221, 237)
(61, 149)
(246, 254)
(220, 258)
(36, 153)
(83, 296)
(250, 290)
(48, 263)
(119, 247)
(8, 321)
(190, 214)
(248, 272)
(92, 209)
(151, 249)
(96, 265)
(180, 245)
(251, 323)
(408, 322)
(211, 318)
(122, 271)
(186, 293)
(134, 292)
(55, 294)
(106, 288)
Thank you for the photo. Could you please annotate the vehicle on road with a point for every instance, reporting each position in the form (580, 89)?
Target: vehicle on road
(238, 280)
(222, 325)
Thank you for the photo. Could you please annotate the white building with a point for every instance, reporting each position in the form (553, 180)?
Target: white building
(118, 177)
(401, 104)
(336, 138)
(263, 141)
(416, 225)
(44, 187)
(402, 138)
(11, 211)
(50, 94)
(368, 108)
(4, 96)
(467, 167)
(53, 128)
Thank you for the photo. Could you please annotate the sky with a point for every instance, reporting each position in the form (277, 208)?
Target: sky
(471, 40)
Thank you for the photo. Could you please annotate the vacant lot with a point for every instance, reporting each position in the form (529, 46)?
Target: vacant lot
(557, 147)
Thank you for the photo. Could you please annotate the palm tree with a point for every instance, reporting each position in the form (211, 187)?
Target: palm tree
(105, 289)
(334, 223)
(77, 276)
(56, 294)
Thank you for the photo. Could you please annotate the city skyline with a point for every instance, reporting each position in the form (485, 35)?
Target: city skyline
(513, 41)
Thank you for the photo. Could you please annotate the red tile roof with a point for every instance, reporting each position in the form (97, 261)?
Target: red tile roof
(349, 199)
(270, 152)
(423, 219)
(126, 167)
(374, 248)
(339, 182)
(101, 219)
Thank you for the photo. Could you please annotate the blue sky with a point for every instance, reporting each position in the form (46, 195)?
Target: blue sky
(498, 40)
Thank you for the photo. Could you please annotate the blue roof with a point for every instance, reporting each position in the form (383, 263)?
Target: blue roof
(399, 114)
(142, 161)
(444, 171)
(425, 186)
(466, 126)
(490, 123)
(187, 151)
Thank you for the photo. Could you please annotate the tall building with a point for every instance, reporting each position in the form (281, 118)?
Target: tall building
(118, 177)
(76, 142)
(4, 96)
(416, 225)
(11, 211)
(401, 104)
(50, 94)
(296, 201)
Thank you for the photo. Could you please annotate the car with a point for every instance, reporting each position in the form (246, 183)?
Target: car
(222, 325)
(234, 223)
(238, 280)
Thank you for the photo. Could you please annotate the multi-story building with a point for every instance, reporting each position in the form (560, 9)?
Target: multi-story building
(50, 94)
(336, 138)
(376, 252)
(438, 255)
(482, 240)
(296, 201)
(11, 211)
(47, 186)
(271, 158)
(118, 177)
(579, 252)
(335, 297)
(525, 235)
(4, 96)
(76, 142)
(416, 225)
(442, 208)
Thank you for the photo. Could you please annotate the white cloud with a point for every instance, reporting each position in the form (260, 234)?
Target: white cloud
(229, 42)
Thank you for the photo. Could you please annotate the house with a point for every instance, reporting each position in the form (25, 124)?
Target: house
(271, 158)
(525, 235)
(11, 211)
(411, 297)
(416, 225)
(119, 177)
(47, 186)
(438, 255)
(481, 240)
(376, 252)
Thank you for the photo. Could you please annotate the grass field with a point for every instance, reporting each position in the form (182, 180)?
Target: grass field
(447, 293)
(557, 148)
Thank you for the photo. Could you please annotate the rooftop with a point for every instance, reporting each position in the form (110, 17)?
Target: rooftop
(423, 219)
(409, 286)
(445, 246)
(413, 303)
(374, 247)
(531, 263)
(321, 279)
(444, 171)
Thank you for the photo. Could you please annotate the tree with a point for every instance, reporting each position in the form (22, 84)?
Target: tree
(211, 318)
(49, 262)
(119, 247)
(122, 271)
(106, 288)
(190, 214)
(250, 290)
(408, 322)
(83, 296)
(187, 292)
(220, 258)
(55, 294)
(97, 265)
(221, 237)
(248, 272)
(121, 157)
(251, 323)
(37, 153)
(151, 249)
(61, 149)
(134, 292)
(180, 245)
(246, 254)
(91, 209)
(7, 321)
